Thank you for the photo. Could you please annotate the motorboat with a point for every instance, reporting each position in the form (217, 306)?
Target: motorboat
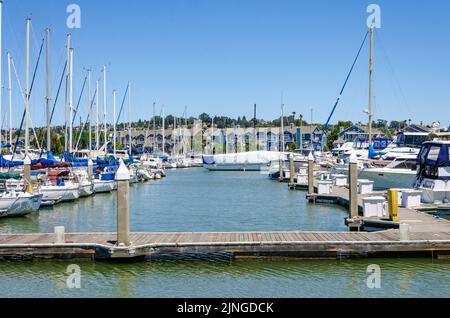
(400, 173)
(245, 161)
(300, 161)
(433, 174)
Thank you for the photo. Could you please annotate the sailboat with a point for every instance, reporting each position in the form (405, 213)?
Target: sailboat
(18, 203)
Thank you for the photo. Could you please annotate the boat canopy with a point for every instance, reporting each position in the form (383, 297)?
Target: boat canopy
(6, 176)
(8, 163)
(432, 156)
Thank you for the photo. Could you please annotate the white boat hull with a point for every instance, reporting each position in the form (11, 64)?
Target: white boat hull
(234, 167)
(19, 206)
(65, 193)
(388, 180)
(103, 186)
(86, 190)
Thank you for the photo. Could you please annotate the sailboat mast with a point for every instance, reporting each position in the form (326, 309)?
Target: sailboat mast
(370, 84)
(114, 122)
(173, 134)
(282, 123)
(129, 116)
(104, 107)
(163, 131)
(212, 134)
(10, 100)
(71, 101)
(48, 87)
(154, 128)
(1, 77)
(90, 111)
(66, 126)
(27, 93)
(97, 129)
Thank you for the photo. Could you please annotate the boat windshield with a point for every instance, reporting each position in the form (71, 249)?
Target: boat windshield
(409, 164)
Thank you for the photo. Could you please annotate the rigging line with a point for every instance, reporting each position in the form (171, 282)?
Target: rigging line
(121, 107)
(87, 119)
(325, 127)
(23, 98)
(57, 93)
(55, 102)
(12, 30)
(390, 68)
(33, 33)
(29, 93)
(81, 132)
(79, 100)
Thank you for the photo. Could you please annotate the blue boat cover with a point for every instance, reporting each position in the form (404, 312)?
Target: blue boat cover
(9, 164)
(208, 160)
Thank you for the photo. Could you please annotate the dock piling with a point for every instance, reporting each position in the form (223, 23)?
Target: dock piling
(404, 232)
(291, 172)
(393, 205)
(123, 208)
(89, 168)
(353, 189)
(281, 178)
(27, 174)
(310, 174)
(60, 236)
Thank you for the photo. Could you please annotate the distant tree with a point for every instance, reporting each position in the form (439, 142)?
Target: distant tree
(204, 117)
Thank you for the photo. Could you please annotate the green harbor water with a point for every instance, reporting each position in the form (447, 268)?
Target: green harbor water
(198, 200)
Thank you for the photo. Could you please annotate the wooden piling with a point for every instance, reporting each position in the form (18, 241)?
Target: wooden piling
(310, 174)
(281, 177)
(27, 174)
(123, 207)
(89, 168)
(291, 172)
(353, 188)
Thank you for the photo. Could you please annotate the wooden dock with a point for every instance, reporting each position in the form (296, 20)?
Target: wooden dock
(243, 244)
(428, 236)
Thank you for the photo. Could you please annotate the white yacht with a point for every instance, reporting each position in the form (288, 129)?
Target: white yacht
(400, 173)
(300, 161)
(433, 176)
(244, 161)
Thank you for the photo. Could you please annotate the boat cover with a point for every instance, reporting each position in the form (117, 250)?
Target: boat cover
(253, 157)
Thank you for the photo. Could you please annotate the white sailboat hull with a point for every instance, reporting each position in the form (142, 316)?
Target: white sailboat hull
(65, 193)
(15, 206)
(86, 190)
(103, 186)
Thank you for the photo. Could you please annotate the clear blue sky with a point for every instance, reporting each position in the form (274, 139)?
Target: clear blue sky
(222, 56)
